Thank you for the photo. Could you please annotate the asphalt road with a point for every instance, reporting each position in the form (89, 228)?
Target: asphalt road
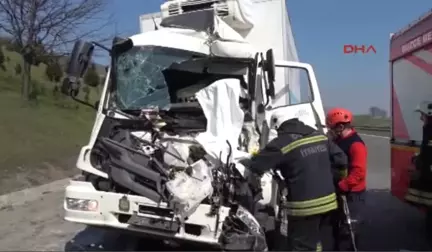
(38, 225)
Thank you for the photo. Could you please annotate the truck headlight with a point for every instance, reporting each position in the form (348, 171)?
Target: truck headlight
(247, 218)
(81, 204)
(242, 232)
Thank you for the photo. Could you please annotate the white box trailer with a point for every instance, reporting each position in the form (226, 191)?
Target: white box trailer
(271, 29)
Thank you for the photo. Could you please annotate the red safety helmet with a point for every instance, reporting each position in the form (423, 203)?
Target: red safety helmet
(338, 115)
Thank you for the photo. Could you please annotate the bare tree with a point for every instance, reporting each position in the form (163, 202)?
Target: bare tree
(41, 29)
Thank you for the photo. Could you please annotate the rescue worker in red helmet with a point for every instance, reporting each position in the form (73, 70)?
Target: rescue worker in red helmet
(353, 183)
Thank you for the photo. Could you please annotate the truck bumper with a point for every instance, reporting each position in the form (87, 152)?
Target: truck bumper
(86, 205)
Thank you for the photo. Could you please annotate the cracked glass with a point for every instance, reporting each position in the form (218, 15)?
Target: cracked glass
(140, 82)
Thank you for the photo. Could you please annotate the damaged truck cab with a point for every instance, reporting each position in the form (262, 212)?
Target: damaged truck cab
(181, 107)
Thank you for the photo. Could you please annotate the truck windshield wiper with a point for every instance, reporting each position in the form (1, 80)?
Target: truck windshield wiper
(124, 112)
(132, 112)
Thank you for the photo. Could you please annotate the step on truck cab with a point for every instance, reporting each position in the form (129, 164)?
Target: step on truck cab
(411, 78)
(183, 103)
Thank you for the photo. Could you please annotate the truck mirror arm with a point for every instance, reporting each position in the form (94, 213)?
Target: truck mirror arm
(94, 106)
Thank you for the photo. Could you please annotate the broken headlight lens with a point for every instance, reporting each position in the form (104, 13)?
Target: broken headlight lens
(81, 204)
(248, 219)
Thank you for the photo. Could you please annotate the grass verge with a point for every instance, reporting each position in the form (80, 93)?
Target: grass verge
(40, 140)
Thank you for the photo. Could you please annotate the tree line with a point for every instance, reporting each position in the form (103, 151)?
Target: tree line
(54, 71)
(41, 31)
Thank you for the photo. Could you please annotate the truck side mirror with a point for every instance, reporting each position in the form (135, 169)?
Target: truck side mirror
(269, 67)
(78, 64)
(117, 40)
(70, 86)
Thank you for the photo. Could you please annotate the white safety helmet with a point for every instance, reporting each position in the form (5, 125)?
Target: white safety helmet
(424, 107)
(279, 117)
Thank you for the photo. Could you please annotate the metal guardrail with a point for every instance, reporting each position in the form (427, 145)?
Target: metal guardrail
(373, 128)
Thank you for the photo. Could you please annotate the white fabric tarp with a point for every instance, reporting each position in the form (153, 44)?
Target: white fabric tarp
(220, 104)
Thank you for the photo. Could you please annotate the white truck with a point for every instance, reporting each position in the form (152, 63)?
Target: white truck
(183, 103)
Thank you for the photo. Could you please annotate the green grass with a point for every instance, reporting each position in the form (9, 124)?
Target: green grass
(44, 132)
(366, 120)
(40, 133)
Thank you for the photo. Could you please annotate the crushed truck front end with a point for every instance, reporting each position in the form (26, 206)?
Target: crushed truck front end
(154, 164)
(179, 113)
(138, 214)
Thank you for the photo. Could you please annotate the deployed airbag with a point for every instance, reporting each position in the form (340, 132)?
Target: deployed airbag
(220, 104)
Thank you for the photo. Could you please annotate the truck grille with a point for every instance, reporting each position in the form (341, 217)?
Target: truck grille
(158, 211)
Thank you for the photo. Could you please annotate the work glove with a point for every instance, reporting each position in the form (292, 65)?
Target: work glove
(341, 185)
(254, 151)
(339, 173)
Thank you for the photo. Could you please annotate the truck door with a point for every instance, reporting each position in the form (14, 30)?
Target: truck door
(296, 93)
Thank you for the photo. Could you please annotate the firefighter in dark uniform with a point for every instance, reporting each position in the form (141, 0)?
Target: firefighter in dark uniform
(352, 184)
(420, 188)
(301, 155)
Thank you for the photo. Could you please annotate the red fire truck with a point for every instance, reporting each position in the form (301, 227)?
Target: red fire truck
(411, 83)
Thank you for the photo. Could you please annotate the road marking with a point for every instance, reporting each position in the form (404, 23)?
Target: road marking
(18, 198)
(377, 136)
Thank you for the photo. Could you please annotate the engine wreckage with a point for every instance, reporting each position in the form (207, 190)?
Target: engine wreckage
(186, 156)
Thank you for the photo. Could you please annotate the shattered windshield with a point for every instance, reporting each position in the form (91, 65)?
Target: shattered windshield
(140, 82)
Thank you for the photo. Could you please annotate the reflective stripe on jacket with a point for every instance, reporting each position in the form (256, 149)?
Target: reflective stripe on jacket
(419, 197)
(311, 207)
(301, 154)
